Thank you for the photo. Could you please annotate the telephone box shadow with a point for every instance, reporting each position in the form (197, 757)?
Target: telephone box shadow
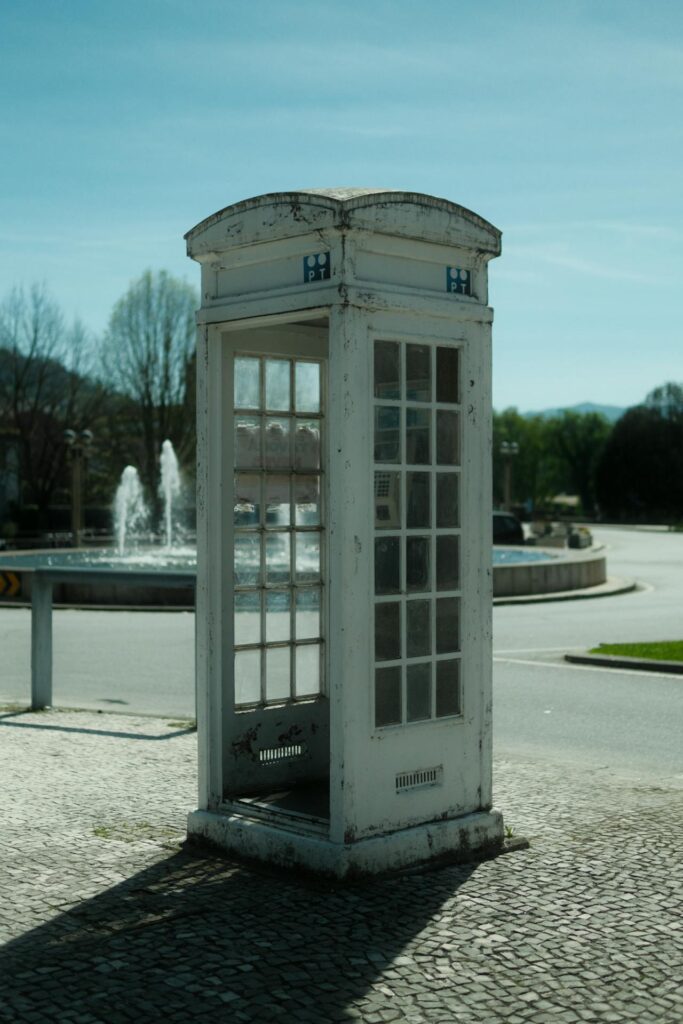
(196, 937)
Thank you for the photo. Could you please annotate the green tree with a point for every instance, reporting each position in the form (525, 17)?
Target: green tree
(535, 469)
(578, 441)
(640, 475)
(147, 356)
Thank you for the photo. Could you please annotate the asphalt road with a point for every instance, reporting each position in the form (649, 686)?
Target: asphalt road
(143, 662)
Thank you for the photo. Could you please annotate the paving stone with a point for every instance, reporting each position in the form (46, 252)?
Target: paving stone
(106, 918)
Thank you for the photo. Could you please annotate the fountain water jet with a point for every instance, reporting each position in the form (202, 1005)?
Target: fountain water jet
(169, 487)
(131, 514)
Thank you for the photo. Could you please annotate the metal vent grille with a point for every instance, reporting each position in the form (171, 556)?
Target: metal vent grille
(419, 779)
(274, 755)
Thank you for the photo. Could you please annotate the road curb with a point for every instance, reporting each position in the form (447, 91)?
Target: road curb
(621, 661)
(613, 586)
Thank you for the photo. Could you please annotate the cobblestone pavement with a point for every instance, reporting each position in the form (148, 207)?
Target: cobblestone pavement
(105, 918)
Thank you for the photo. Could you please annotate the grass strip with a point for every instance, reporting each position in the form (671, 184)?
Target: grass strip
(661, 650)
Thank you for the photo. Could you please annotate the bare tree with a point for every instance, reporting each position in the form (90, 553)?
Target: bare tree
(147, 355)
(44, 387)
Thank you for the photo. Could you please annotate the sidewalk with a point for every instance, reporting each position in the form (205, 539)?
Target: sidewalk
(105, 918)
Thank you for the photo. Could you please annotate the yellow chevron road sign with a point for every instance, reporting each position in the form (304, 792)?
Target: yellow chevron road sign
(10, 583)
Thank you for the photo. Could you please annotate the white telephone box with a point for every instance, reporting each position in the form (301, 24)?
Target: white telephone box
(344, 530)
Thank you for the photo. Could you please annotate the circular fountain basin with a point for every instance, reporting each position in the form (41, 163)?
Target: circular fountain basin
(159, 577)
(526, 572)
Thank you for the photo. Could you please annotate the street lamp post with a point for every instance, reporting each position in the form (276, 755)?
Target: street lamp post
(78, 447)
(508, 449)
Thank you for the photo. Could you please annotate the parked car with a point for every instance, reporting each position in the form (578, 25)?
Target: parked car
(507, 529)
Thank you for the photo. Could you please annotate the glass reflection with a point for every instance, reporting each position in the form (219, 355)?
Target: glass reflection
(388, 696)
(277, 385)
(307, 387)
(307, 557)
(278, 616)
(418, 449)
(277, 501)
(447, 563)
(247, 500)
(307, 500)
(446, 499)
(307, 444)
(387, 370)
(447, 688)
(277, 558)
(447, 625)
(278, 668)
(307, 659)
(418, 500)
(307, 621)
(447, 375)
(387, 500)
(387, 434)
(417, 563)
(247, 676)
(418, 373)
(419, 692)
(388, 631)
(247, 617)
(247, 393)
(277, 443)
(446, 438)
(247, 565)
(247, 442)
(418, 629)
(387, 565)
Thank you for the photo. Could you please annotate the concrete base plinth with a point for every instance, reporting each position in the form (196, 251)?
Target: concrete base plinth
(469, 837)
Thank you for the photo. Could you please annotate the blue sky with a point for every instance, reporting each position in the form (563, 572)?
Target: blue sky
(124, 124)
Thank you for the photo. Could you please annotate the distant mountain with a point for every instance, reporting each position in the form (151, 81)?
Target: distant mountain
(610, 412)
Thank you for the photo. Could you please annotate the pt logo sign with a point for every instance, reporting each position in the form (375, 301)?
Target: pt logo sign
(458, 280)
(317, 267)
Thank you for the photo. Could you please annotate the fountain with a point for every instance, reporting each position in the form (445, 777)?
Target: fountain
(169, 487)
(131, 514)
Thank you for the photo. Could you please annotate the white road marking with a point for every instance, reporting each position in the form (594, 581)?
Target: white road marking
(586, 668)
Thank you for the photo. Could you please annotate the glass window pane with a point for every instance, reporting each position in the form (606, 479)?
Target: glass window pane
(307, 625)
(247, 390)
(447, 375)
(387, 565)
(447, 688)
(447, 626)
(418, 500)
(307, 444)
(307, 500)
(277, 558)
(247, 677)
(388, 631)
(247, 442)
(247, 617)
(417, 563)
(278, 384)
(447, 563)
(307, 557)
(388, 696)
(419, 692)
(278, 617)
(247, 554)
(307, 387)
(387, 370)
(418, 629)
(278, 670)
(277, 443)
(418, 373)
(247, 500)
(307, 670)
(418, 451)
(387, 500)
(277, 501)
(387, 434)
(447, 499)
(446, 438)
